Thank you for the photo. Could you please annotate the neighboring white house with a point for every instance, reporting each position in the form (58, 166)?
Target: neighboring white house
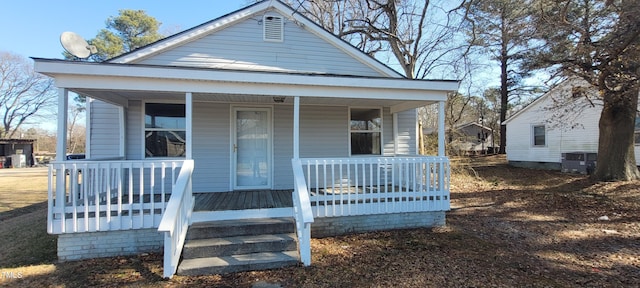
(261, 99)
(560, 121)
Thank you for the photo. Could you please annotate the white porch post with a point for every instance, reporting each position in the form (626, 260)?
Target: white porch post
(189, 124)
(87, 124)
(296, 127)
(441, 130)
(63, 104)
(61, 146)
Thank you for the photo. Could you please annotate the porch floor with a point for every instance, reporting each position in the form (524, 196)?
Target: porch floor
(242, 200)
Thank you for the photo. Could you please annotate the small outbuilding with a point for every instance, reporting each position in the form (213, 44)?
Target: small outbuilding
(17, 153)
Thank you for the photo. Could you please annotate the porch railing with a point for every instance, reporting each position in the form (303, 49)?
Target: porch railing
(175, 222)
(377, 185)
(88, 196)
(302, 212)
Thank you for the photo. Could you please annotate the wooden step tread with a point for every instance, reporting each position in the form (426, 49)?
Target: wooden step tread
(236, 263)
(195, 243)
(241, 222)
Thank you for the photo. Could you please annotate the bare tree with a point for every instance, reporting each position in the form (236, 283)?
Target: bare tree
(45, 139)
(503, 29)
(599, 41)
(338, 17)
(23, 93)
(422, 37)
(76, 131)
(457, 112)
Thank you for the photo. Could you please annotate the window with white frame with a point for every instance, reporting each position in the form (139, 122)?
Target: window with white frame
(366, 131)
(165, 130)
(539, 135)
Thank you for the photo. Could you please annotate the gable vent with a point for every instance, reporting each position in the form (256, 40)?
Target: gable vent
(273, 28)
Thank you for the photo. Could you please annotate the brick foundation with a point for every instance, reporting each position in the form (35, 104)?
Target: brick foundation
(333, 226)
(78, 246)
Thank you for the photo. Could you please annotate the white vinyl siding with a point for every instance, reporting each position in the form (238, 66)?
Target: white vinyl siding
(135, 122)
(242, 47)
(407, 132)
(104, 130)
(282, 146)
(636, 150)
(580, 136)
(324, 132)
(211, 138)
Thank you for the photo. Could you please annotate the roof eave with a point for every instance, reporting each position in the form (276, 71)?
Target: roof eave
(58, 68)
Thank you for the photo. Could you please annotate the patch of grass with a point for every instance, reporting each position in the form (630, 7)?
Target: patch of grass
(23, 213)
(25, 240)
(22, 189)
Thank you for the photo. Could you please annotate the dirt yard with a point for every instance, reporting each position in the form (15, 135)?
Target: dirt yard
(508, 227)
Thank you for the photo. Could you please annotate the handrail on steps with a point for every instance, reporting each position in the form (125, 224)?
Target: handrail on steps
(176, 219)
(302, 212)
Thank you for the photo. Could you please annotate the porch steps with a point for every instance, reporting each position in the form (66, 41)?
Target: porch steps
(230, 246)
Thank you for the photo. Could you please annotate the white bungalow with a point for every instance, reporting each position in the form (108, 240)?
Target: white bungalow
(259, 114)
(561, 121)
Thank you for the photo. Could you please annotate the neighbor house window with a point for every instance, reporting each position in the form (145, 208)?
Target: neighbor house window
(164, 130)
(539, 135)
(366, 131)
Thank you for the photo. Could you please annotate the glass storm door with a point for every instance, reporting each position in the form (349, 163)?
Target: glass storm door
(252, 148)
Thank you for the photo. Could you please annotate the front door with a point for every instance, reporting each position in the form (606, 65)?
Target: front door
(252, 148)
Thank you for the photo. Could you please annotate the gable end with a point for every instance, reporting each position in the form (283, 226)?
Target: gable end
(185, 48)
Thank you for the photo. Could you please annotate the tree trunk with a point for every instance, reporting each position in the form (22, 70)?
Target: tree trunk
(616, 158)
(504, 99)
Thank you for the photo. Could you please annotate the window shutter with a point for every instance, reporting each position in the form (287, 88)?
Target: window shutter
(273, 28)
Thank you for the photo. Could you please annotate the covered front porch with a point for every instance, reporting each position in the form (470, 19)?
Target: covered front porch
(125, 194)
(128, 189)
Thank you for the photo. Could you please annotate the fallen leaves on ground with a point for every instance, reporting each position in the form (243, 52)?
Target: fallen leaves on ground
(508, 227)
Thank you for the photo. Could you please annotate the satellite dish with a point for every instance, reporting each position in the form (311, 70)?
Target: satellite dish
(76, 45)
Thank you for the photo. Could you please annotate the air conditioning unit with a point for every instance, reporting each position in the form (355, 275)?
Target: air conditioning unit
(579, 162)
